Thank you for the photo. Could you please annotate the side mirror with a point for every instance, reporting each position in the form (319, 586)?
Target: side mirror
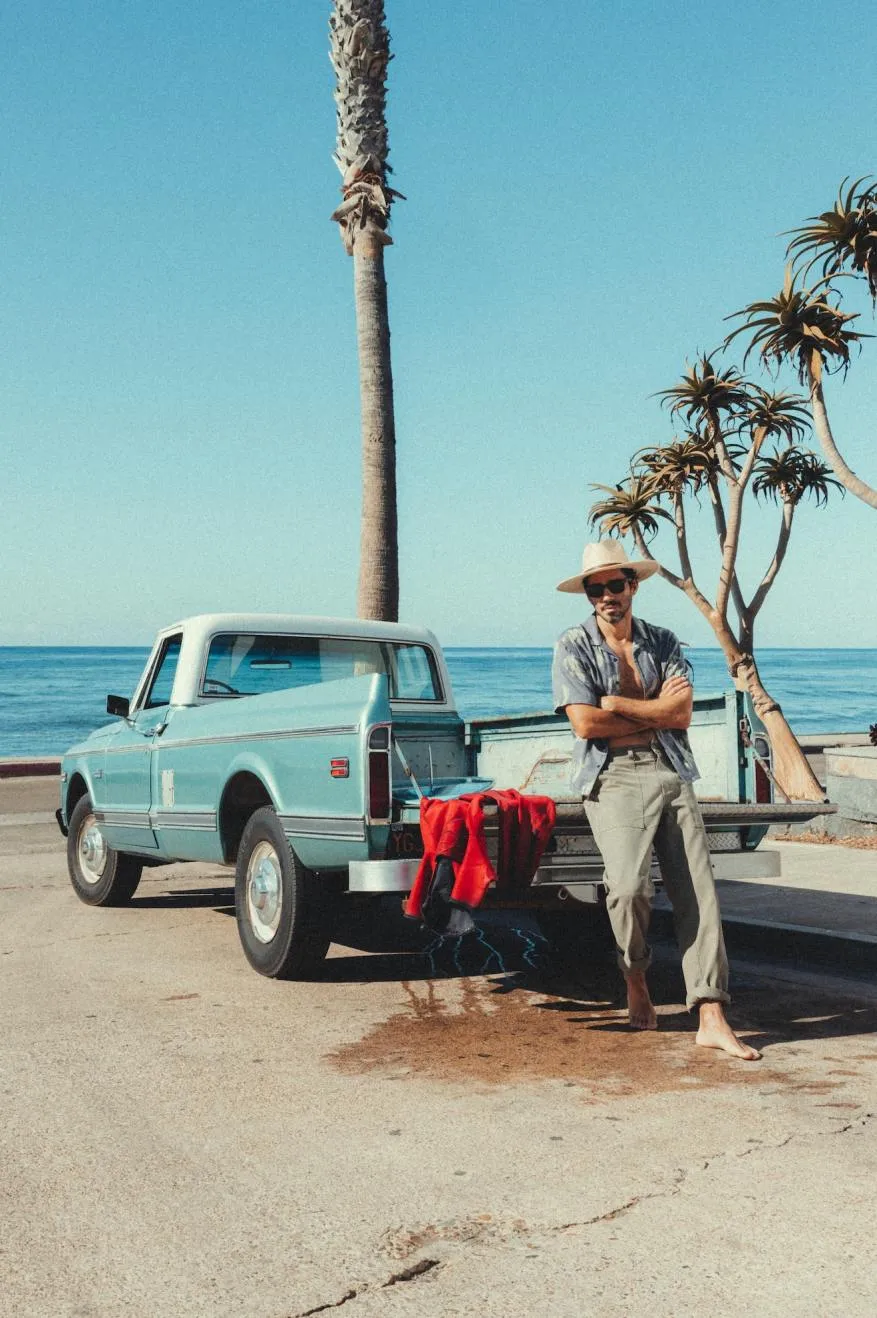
(118, 705)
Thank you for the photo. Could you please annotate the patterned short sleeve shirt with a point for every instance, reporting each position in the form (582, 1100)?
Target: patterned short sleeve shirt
(585, 669)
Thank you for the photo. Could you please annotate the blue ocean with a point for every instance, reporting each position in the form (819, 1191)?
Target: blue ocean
(51, 697)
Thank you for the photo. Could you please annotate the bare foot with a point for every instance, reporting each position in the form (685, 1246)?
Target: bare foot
(640, 1010)
(715, 1032)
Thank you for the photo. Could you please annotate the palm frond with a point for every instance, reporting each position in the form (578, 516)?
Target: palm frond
(845, 237)
(705, 393)
(791, 474)
(797, 324)
(777, 415)
(683, 464)
(627, 506)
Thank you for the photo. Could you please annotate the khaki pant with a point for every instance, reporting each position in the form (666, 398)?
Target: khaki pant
(640, 802)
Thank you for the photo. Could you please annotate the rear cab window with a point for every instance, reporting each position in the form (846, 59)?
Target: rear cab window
(243, 664)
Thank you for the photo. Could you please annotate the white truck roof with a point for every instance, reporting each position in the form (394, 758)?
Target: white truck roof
(200, 628)
(203, 625)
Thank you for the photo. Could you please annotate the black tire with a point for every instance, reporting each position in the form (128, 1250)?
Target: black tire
(580, 936)
(283, 913)
(101, 876)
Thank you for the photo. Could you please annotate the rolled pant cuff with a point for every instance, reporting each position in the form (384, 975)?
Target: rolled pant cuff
(703, 993)
(637, 966)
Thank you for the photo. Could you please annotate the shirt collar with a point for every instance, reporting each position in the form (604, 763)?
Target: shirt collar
(592, 631)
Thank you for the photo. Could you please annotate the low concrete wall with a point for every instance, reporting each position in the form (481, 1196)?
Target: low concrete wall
(848, 770)
(851, 780)
(30, 767)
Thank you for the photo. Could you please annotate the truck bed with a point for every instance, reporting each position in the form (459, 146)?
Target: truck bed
(533, 753)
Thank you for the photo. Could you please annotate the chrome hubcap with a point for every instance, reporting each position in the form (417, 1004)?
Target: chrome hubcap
(92, 851)
(264, 891)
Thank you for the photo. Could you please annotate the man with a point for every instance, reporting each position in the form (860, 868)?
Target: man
(625, 688)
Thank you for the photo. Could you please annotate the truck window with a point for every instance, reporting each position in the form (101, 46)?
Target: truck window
(162, 684)
(240, 664)
(412, 677)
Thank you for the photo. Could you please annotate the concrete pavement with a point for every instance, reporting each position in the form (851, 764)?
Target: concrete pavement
(471, 1134)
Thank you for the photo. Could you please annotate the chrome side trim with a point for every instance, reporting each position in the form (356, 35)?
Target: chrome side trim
(123, 818)
(343, 827)
(204, 820)
(281, 734)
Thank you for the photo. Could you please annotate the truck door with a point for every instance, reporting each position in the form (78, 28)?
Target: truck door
(126, 822)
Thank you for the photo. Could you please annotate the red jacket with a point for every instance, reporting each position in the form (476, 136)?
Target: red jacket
(456, 829)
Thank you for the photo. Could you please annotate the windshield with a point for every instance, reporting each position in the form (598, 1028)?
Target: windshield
(241, 664)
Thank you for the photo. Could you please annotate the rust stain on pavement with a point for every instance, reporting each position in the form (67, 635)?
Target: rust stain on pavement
(476, 1030)
(490, 1031)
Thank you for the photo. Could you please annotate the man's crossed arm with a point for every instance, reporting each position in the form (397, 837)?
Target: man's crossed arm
(619, 716)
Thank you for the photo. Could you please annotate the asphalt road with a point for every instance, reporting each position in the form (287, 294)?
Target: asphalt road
(458, 1134)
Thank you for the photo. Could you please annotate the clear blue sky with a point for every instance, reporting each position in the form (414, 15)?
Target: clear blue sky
(590, 190)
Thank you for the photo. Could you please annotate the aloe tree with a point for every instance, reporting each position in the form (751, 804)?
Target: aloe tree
(724, 455)
(844, 238)
(360, 53)
(806, 328)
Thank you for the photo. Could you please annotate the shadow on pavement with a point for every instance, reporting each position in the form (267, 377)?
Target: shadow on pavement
(222, 899)
(509, 952)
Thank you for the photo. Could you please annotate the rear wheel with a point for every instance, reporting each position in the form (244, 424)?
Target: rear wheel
(101, 876)
(283, 912)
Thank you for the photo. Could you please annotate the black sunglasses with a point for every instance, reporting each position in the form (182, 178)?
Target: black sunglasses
(594, 590)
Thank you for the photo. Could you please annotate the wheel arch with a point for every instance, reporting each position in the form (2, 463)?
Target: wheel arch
(76, 789)
(243, 794)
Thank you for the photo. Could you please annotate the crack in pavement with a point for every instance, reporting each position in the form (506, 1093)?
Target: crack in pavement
(857, 1123)
(407, 1274)
(679, 1177)
(681, 1174)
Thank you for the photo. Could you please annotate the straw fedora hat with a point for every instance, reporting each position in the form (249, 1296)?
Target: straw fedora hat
(599, 556)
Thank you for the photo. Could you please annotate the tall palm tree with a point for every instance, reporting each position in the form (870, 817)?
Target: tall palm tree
(804, 327)
(842, 238)
(360, 53)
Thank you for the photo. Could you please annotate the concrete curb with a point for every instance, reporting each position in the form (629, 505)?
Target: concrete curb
(801, 946)
(34, 768)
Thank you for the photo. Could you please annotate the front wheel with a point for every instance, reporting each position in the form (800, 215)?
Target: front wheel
(101, 876)
(282, 911)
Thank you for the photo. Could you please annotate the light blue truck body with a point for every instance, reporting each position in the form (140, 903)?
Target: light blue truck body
(176, 777)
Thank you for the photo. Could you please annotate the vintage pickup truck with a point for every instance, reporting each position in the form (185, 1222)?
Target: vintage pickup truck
(297, 750)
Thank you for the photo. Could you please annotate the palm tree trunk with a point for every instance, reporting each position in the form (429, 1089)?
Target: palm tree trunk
(731, 542)
(847, 477)
(790, 765)
(722, 534)
(360, 52)
(747, 618)
(378, 594)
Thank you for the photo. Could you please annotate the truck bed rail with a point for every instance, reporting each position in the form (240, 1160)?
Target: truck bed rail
(730, 813)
